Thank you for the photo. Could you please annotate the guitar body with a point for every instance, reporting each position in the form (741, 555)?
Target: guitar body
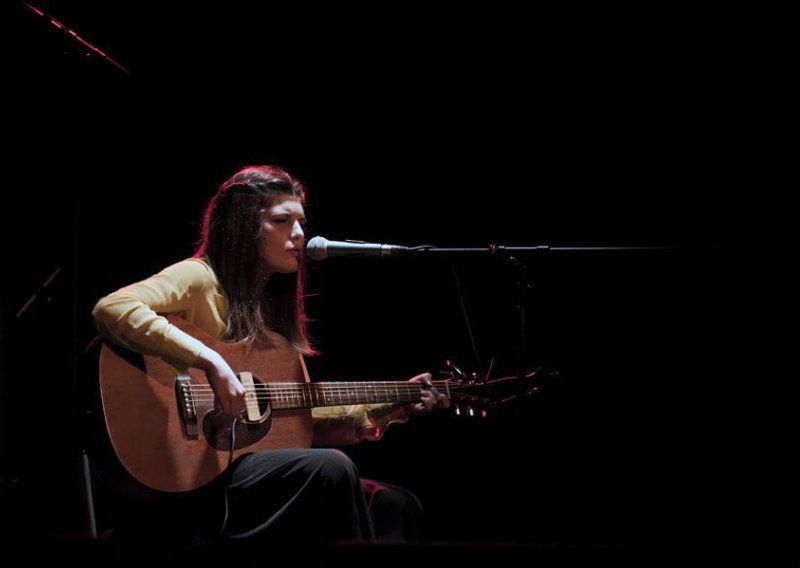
(144, 407)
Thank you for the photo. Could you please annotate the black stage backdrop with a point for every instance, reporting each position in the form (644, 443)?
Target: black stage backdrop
(437, 133)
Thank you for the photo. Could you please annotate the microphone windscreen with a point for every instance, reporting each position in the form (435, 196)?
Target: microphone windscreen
(317, 248)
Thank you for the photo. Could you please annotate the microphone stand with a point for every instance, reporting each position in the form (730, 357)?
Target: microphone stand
(523, 286)
(492, 249)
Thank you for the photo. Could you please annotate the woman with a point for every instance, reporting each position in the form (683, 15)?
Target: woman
(245, 282)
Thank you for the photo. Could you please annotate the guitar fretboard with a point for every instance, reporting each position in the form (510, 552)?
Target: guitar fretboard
(308, 395)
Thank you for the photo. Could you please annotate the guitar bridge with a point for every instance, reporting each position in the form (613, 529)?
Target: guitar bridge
(186, 405)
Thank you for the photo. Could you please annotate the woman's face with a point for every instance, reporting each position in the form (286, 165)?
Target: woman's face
(282, 230)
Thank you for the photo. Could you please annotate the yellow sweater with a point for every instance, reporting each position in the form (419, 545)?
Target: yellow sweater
(131, 317)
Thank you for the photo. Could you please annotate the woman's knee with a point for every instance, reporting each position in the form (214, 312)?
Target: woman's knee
(333, 466)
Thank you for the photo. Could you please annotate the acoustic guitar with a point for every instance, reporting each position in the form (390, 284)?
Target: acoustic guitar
(165, 431)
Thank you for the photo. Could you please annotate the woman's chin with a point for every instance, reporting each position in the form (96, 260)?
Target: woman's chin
(289, 268)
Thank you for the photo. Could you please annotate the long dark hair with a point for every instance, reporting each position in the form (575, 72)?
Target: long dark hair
(231, 242)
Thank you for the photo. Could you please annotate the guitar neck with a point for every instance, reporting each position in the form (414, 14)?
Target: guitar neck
(309, 395)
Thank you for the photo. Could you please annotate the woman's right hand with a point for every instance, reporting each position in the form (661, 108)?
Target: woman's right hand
(228, 390)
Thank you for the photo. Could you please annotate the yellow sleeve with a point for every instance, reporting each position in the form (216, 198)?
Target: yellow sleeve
(344, 425)
(130, 316)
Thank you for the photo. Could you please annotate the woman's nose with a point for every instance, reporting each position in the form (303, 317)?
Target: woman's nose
(297, 231)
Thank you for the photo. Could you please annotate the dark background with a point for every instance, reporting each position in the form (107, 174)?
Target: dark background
(451, 129)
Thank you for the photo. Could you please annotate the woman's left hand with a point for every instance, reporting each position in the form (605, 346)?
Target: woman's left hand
(430, 398)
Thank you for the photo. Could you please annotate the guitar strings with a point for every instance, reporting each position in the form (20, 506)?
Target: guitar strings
(278, 392)
(273, 387)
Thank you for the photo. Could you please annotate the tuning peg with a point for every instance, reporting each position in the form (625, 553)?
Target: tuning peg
(470, 411)
(452, 371)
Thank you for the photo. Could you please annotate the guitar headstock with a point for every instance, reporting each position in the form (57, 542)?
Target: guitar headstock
(472, 396)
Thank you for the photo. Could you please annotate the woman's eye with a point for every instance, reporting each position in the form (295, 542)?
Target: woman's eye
(285, 220)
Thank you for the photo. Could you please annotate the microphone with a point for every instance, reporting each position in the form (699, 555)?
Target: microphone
(320, 248)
